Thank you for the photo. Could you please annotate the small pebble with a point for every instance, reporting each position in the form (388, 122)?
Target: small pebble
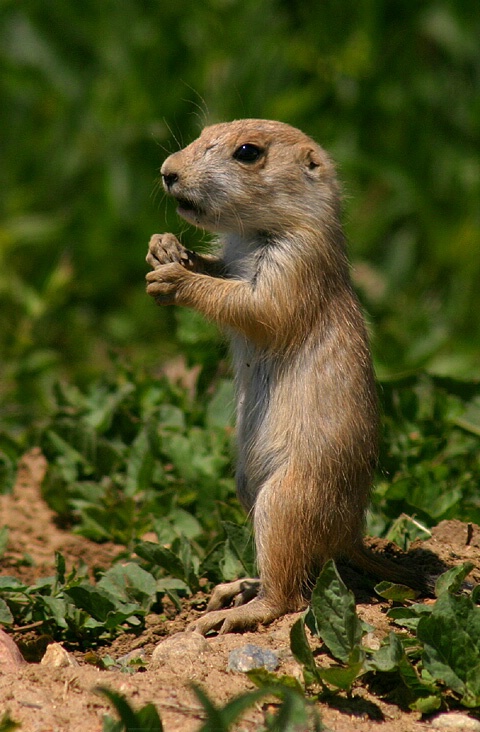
(457, 722)
(179, 648)
(57, 657)
(249, 657)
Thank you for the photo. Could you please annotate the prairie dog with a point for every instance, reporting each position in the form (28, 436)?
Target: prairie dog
(307, 417)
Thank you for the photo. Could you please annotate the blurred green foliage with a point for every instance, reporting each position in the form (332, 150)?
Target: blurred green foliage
(94, 95)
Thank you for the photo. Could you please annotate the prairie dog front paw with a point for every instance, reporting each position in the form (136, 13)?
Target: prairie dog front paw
(166, 249)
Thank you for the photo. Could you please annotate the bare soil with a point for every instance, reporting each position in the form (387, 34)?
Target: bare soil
(47, 699)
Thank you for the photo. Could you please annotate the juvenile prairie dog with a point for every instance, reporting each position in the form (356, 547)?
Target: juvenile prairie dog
(307, 418)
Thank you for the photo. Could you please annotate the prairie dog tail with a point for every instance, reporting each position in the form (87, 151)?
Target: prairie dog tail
(385, 569)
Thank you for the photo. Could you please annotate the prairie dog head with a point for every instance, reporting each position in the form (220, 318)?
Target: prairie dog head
(251, 176)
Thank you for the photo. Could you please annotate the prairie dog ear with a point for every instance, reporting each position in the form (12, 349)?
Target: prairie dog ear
(312, 159)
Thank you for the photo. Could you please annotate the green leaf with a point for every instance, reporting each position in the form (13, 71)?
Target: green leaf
(409, 617)
(104, 406)
(129, 582)
(397, 593)
(180, 567)
(241, 543)
(387, 658)
(452, 579)
(112, 725)
(4, 533)
(470, 419)
(262, 678)
(55, 608)
(146, 719)
(161, 556)
(332, 614)
(295, 713)
(391, 658)
(95, 602)
(102, 606)
(451, 638)
(302, 652)
(6, 617)
(342, 677)
(12, 584)
(427, 704)
(140, 464)
(60, 567)
(7, 724)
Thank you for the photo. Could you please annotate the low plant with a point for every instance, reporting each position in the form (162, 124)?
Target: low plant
(433, 665)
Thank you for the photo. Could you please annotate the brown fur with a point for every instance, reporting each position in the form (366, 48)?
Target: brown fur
(307, 418)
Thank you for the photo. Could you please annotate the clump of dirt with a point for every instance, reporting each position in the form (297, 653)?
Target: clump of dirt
(44, 699)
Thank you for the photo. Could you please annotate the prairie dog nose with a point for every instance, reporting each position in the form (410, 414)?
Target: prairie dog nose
(169, 178)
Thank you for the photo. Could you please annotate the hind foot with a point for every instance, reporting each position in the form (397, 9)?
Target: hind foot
(233, 593)
(244, 617)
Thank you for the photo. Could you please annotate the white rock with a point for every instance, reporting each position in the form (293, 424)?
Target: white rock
(180, 647)
(457, 722)
(57, 657)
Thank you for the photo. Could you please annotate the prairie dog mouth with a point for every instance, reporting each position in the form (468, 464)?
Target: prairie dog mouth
(187, 206)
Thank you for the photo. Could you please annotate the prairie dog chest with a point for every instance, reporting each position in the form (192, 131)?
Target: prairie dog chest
(253, 377)
(242, 256)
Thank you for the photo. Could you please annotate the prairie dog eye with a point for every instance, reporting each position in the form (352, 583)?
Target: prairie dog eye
(247, 153)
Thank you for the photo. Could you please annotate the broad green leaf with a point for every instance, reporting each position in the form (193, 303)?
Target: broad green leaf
(451, 638)
(7, 724)
(6, 617)
(178, 522)
(171, 417)
(387, 658)
(241, 542)
(60, 567)
(148, 719)
(12, 584)
(470, 419)
(102, 606)
(104, 406)
(190, 562)
(261, 678)
(397, 593)
(452, 579)
(140, 464)
(409, 617)
(300, 648)
(212, 565)
(295, 713)
(112, 725)
(161, 556)
(130, 582)
(4, 533)
(390, 658)
(177, 566)
(427, 704)
(342, 677)
(56, 608)
(332, 614)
